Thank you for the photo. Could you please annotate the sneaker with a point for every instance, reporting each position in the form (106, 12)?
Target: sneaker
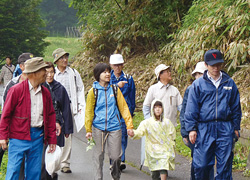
(122, 166)
(66, 170)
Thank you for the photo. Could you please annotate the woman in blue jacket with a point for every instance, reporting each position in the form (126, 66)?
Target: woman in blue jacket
(104, 105)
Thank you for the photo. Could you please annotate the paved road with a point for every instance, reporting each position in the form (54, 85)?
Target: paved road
(81, 164)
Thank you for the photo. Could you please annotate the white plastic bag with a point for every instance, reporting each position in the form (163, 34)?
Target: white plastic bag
(52, 160)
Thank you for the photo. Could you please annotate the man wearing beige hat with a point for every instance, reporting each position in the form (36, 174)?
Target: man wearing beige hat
(169, 95)
(28, 119)
(162, 90)
(72, 81)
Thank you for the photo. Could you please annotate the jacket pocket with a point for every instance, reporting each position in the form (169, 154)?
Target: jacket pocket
(19, 124)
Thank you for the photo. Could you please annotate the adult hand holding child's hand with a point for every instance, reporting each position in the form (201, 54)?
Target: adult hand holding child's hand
(130, 132)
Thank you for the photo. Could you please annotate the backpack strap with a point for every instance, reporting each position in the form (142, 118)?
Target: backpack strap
(74, 74)
(115, 89)
(128, 76)
(96, 95)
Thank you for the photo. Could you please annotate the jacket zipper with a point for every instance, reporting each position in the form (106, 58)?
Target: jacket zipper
(106, 119)
(216, 109)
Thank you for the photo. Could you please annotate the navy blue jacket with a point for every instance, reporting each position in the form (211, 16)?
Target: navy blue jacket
(63, 106)
(184, 133)
(207, 103)
(128, 90)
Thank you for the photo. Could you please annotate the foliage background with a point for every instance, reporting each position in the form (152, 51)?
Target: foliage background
(57, 16)
(20, 28)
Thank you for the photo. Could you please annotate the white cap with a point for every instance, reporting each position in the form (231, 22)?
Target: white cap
(116, 59)
(200, 68)
(160, 68)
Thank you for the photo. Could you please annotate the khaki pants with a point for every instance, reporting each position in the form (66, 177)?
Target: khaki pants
(66, 150)
(113, 140)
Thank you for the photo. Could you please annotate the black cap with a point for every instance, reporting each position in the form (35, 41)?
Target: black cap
(213, 56)
(24, 57)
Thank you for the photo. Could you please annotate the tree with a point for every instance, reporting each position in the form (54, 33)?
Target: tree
(20, 28)
(57, 16)
(128, 26)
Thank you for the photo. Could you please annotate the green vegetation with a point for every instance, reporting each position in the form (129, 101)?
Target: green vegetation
(21, 28)
(240, 156)
(57, 16)
(128, 26)
(3, 168)
(71, 45)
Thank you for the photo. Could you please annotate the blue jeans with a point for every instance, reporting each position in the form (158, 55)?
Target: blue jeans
(32, 150)
(124, 140)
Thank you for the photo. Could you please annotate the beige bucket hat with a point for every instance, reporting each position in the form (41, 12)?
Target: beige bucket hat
(34, 64)
(58, 53)
(160, 68)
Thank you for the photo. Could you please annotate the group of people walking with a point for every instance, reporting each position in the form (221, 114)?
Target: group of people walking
(42, 104)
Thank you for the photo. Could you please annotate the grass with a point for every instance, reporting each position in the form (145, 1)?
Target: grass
(3, 168)
(71, 45)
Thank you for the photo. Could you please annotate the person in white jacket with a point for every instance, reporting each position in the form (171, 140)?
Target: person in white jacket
(72, 81)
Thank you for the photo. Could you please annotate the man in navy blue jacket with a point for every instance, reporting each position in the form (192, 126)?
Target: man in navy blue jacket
(127, 86)
(212, 118)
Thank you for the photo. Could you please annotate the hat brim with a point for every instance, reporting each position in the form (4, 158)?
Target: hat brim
(44, 65)
(59, 56)
(211, 63)
(163, 69)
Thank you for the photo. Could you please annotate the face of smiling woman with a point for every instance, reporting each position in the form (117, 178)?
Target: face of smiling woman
(105, 78)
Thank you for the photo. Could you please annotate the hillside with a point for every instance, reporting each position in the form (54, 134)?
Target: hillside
(220, 24)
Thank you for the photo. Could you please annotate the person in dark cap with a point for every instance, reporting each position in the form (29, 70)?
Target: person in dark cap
(28, 119)
(212, 119)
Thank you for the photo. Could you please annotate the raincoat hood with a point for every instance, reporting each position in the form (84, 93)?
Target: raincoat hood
(152, 109)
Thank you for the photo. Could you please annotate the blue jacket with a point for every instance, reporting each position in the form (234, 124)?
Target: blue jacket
(206, 103)
(107, 116)
(128, 90)
(184, 133)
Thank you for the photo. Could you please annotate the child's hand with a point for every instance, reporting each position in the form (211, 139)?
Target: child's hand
(130, 132)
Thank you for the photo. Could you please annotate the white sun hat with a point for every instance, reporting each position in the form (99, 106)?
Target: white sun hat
(116, 59)
(200, 68)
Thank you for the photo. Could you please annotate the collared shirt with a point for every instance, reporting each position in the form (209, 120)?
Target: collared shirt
(169, 95)
(63, 78)
(36, 99)
(215, 82)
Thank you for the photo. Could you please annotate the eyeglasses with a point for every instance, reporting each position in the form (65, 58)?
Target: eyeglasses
(65, 57)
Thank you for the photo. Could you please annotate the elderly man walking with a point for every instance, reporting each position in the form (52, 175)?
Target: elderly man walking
(28, 119)
(72, 81)
(212, 118)
(167, 93)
